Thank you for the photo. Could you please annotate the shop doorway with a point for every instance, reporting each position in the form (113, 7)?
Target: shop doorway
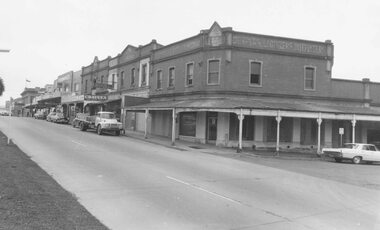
(211, 127)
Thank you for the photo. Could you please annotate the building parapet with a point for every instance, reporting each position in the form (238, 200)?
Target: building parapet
(178, 47)
(72, 98)
(50, 95)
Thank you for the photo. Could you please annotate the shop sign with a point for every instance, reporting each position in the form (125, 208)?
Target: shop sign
(103, 86)
(95, 97)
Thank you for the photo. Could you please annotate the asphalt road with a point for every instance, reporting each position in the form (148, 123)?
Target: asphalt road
(130, 184)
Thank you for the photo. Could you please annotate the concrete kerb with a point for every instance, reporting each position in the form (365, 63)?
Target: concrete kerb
(204, 148)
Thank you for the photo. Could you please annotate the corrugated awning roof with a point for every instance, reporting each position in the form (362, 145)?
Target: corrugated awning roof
(265, 104)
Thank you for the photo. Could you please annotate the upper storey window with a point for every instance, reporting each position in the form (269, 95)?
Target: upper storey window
(143, 74)
(255, 73)
(189, 73)
(159, 79)
(309, 78)
(213, 72)
(171, 77)
(122, 79)
(133, 74)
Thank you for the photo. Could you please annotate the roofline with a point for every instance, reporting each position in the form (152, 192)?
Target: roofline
(285, 38)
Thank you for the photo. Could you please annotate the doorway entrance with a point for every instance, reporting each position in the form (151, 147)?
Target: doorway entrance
(211, 127)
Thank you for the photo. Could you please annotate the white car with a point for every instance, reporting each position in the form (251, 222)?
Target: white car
(355, 152)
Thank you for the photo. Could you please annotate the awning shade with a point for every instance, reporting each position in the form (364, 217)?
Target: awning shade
(265, 104)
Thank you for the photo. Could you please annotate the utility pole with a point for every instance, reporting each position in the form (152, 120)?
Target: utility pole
(11, 101)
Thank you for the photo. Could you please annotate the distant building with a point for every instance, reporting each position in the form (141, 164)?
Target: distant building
(28, 96)
(17, 107)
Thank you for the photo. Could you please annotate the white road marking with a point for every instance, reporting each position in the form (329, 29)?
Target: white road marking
(78, 143)
(204, 190)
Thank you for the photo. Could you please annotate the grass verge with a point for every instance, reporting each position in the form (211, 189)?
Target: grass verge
(31, 199)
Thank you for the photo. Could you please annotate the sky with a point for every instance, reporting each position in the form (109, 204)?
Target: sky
(47, 38)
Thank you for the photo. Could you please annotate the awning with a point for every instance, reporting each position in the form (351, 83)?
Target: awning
(223, 104)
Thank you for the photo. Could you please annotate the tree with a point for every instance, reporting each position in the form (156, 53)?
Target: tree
(2, 88)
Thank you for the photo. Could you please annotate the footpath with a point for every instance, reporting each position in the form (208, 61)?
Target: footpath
(31, 199)
(223, 151)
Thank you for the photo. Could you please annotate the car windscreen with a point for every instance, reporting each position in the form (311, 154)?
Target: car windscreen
(107, 115)
(350, 146)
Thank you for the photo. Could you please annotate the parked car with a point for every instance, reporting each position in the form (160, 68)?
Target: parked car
(49, 116)
(59, 118)
(40, 115)
(5, 113)
(101, 122)
(356, 152)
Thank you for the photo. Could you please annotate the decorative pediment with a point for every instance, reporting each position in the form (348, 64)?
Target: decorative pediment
(215, 30)
(215, 35)
(128, 49)
(129, 53)
(96, 60)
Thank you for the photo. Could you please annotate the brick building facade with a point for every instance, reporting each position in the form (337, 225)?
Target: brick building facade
(247, 90)
(234, 89)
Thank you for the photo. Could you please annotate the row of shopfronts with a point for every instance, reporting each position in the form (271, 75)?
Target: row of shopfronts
(227, 88)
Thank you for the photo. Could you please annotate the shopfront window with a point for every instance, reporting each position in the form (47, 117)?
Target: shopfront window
(286, 129)
(187, 124)
(248, 127)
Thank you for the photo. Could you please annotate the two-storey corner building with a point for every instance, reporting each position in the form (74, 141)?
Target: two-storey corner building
(240, 89)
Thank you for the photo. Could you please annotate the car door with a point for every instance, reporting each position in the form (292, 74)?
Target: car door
(366, 152)
(373, 153)
(369, 152)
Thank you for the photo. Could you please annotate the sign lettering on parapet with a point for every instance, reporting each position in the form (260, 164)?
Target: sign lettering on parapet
(95, 97)
(303, 47)
(103, 86)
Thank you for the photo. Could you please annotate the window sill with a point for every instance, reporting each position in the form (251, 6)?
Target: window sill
(255, 85)
(215, 84)
(312, 90)
(170, 88)
(189, 86)
(160, 89)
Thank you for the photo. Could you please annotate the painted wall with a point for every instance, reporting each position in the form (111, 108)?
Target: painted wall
(280, 74)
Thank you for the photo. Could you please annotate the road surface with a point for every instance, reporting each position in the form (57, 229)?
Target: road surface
(130, 184)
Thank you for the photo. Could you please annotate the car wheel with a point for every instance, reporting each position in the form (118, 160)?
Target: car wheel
(338, 160)
(99, 130)
(117, 133)
(356, 160)
(82, 126)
